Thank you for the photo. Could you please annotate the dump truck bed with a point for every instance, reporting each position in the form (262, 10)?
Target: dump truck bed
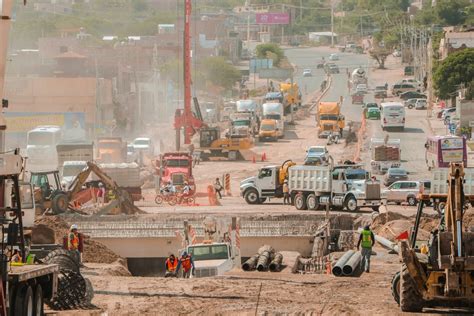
(31, 271)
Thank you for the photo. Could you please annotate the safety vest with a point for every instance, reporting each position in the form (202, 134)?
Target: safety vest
(366, 239)
(171, 266)
(73, 242)
(186, 263)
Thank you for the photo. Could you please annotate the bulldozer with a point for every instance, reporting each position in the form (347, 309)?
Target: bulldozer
(443, 274)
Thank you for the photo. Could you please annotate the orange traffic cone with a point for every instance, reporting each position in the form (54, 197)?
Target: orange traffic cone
(253, 159)
(328, 268)
(264, 157)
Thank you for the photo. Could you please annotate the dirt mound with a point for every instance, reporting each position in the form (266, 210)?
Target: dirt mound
(468, 219)
(384, 218)
(429, 223)
(94, 251)
(394, 228)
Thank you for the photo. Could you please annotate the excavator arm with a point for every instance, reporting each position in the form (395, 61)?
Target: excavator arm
(125, 202)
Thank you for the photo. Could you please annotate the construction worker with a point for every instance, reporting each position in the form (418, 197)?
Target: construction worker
(286, 193)
(367, 239)
(187, 264)
(186, 189)
(100, 195)
(172, 266)
(218, 187)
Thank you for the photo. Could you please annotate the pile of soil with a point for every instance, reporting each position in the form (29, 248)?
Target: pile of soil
(384, 218)
(394, 228)
(94, 251)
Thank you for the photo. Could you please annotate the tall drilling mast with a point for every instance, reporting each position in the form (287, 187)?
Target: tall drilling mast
(184, 118)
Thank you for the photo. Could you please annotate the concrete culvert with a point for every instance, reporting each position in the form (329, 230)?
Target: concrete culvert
(275, 265)
(351, 265)
(251, 263)
(337, 269)
(265, 255)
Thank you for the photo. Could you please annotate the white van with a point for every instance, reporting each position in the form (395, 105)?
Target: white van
(275, 111)
(41, 148)
(392, 115)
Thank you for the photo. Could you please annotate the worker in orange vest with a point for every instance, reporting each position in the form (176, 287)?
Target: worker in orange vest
(73, 241)
(187, 264)
(172, 266)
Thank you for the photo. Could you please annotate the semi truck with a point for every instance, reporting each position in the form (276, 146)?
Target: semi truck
(175, 167)
(243, 124)
(329, 119)
(275, 111)
(385, 154)
(111, 150)
(311, 187)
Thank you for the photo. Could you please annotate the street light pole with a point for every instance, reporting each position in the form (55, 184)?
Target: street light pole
(332, 24)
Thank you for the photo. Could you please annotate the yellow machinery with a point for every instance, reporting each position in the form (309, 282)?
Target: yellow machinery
(445, 275)
(283, 172)
(291, 94)
(232, 147)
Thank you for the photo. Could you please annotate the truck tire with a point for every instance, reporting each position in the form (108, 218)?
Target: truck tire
(251, 196)
(300, 202)
(351, 204)
(64, 258)
(60, 203)
(376, 209)
(312, 201)
(38, 301)
(412, 200)
(410, 299)
(262, 200)
(396, 287)
(24, 304)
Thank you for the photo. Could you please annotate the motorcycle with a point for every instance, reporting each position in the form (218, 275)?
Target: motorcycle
(165, 196)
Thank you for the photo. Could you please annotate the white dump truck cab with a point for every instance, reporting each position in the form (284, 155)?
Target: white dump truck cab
(211, 259)
(257, 189)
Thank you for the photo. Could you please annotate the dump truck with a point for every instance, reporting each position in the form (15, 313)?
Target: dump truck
(311, 187)
(444, 276)
(243, 124)
(291, 94)
(385, 154)
(329, 119)
(275, 111)
(177, 168)
(111, 150)
(125, 175)
(358, 76)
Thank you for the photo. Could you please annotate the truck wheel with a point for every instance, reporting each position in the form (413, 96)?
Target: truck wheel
(24, 301)
(396, 287)
(64, 258)
(39, 304)
(312, 202)
(262, 200)
(351, 204)
(410, 299)
(251, 196)
(60, 203)
(300, 202)
(376, 208)
(412, 201)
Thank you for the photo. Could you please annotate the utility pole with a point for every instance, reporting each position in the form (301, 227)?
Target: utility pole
(361, 27)
(248, 32)
(301, 10)
(430, 78)
(332, 24)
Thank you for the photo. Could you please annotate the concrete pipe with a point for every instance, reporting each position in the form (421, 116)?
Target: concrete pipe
(251, 263)
(275, 265)
(266, 254)
(351, 265)
(337, 269)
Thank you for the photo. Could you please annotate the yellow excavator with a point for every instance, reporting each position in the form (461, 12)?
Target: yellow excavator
(444, 274)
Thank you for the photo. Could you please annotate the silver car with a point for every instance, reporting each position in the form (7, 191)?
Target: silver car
(403, 191)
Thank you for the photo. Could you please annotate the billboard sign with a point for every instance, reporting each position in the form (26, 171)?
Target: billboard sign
(275, 73)
(273, 18)
(257, 64)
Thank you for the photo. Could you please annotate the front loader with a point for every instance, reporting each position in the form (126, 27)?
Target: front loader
(445, 275)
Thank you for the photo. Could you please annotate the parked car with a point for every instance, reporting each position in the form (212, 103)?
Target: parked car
(409, 71)
(396, 53)
(361, 88)
(411, 95)
(307, 73)
(370, 105)
(403, 191)
(410, 103)
(420, 104)
(380, 92)
(400, 88)
(372, 114)
(394, 174)
(447, 113)
(143, 144)
(320, 152)
(333, 57)
(412, 81)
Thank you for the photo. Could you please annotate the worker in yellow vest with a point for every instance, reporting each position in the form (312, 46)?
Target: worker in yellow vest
(367, 240)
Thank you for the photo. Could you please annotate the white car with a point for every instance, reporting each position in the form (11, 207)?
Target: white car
(446, 116)
(412, 81)
(361, 88)
(420, 104)
(143, 144)
(307, 73)
(333, 57)
(317, 152)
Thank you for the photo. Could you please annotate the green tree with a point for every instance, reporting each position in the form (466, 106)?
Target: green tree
(456, 69)
(219, 72)
(380, 55)
(270, 50)
(451, 12)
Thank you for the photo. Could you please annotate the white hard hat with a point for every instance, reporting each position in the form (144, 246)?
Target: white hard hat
(73, 226)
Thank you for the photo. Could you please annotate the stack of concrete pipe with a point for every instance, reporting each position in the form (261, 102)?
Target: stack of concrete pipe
(265, 259)
(347, 264)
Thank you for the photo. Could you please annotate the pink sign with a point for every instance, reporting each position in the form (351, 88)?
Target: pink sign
(273, 18)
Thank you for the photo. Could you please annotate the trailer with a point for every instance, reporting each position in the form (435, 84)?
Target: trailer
(385, 154)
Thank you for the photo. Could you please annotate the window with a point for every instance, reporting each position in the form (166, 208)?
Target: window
(211, 252)
(265, 173)
(408, 185)
(395, 186)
